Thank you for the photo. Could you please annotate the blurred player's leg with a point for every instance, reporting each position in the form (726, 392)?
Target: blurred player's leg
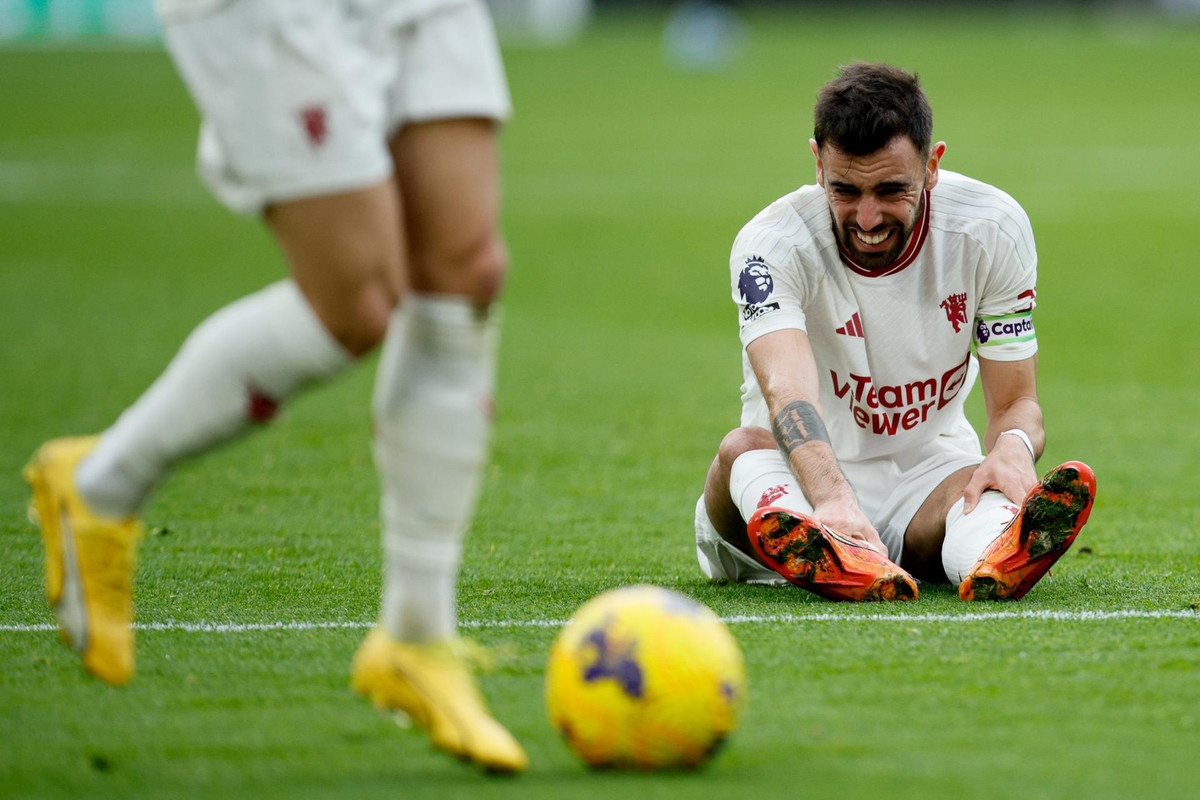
(432, 408)
(432, 421)
(89, 562)
(239, 366)
(235, 370)
(431, 682)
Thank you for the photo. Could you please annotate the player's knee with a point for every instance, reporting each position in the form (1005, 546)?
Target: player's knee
(491, 271)
(358, 319)
(476, 270)
(374, 313)
(481, 271)
(743, 440)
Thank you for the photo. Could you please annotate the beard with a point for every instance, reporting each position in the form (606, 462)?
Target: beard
(875, 259)
(879, 259)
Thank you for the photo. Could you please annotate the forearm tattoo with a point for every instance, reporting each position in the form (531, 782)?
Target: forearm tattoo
(797, 425)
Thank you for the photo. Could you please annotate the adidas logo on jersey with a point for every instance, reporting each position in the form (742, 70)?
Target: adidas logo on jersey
(853, 327)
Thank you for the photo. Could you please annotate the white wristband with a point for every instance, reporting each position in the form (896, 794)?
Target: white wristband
(1024, 437)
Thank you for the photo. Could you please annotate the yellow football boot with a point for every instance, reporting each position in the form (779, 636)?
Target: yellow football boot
(433, 686)
(89, 562)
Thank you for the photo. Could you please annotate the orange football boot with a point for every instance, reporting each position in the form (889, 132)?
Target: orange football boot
(1051, 517)
(817, 558)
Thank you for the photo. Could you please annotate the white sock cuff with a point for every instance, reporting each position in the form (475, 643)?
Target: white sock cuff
(448, 314)
(436, 335)
(762, 477)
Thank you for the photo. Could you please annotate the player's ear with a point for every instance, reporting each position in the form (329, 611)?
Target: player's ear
(931, 167)
(816, 151)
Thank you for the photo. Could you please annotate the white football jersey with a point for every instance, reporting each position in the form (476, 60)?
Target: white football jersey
(397, 10)
(894, 348)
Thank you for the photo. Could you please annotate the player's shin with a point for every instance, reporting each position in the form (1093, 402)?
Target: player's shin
(968, 535)
(432, 423)
(758, 478)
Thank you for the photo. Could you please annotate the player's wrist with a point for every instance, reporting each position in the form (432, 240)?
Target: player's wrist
(1024, 437)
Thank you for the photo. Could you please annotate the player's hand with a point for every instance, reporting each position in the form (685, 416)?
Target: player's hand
(852, 523)
(1008, 469)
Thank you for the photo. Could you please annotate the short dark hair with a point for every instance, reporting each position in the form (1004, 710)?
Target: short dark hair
(868, 105)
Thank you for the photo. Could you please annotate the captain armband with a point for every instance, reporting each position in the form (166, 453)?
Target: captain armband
(1008, 329)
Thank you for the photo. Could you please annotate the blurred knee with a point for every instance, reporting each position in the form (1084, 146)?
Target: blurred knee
(372, 311)
(357, 315)
(490, 270)
(475, 268)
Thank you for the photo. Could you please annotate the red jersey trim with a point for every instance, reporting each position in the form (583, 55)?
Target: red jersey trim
(906, 258)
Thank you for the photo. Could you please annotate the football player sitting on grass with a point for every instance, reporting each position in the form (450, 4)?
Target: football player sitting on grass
(868, 304)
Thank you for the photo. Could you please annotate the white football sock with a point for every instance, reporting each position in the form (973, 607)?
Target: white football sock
(236, 368)
(968, 535)
(758, 478)
(432, 407)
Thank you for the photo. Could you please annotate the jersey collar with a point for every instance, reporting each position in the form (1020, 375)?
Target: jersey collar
(906, 258)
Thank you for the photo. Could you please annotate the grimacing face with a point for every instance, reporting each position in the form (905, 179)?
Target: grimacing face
(875, 199)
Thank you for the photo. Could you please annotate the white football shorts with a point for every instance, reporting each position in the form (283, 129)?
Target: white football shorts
(299, 97)
(889, 492)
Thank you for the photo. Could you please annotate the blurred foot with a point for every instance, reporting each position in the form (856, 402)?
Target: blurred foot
(89, 562)
(432, 684)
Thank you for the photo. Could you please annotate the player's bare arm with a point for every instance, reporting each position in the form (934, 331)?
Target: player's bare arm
(787, 373)
(799, 424)
(1010, 398)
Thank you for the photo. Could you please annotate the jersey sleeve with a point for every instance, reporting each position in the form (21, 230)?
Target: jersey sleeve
(1004, 328)
(766, 287)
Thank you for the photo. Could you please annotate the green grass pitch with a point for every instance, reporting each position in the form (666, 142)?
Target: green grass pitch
(625, 183)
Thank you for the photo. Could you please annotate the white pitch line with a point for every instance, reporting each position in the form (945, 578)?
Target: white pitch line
(739, 619)
(1065, 616)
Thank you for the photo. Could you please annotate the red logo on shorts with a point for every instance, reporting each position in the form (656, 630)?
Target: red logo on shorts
(315, 122)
